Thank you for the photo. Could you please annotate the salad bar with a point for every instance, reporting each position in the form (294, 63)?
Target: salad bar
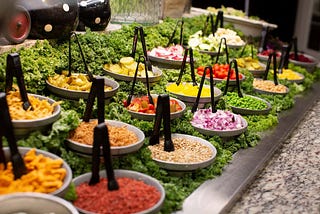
(222, 120)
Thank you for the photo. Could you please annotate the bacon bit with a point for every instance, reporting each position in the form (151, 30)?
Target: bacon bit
(132, 196)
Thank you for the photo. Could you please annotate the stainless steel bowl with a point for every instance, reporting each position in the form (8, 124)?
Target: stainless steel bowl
(35, 203)
(150, 117)
(246, 111)
(184, 167)
(190, 100)
(68, 178)
(224, 133)
(115, 150)
(128, 174)
(309, 66)
(75, 95)
(22, 128)
(156, 78)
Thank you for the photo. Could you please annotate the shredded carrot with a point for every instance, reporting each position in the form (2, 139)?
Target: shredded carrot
(118, 136)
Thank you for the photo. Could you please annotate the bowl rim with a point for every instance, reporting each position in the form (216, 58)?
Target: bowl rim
(68, 178)
(127, 78)
(54, 116)
(150, 117)
(173, 166)
(147, 179)
(38, 195)
(115, 150)
(224, 133)
(74, 94)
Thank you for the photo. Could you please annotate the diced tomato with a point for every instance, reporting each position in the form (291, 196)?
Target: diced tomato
(150, 106)
(125, 103)
(150, 111)
(200, 68)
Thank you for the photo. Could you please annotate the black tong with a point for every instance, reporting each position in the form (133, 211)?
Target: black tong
(162, 112)
(101, 139)
(219, 50)
(233, 62)
(214, 26)
(13, 69)
(181, 22)
(264, 38)
(139, 30)
(183, 65)
(213, 107)
(101, 136)
(82, 56)
(135, 79)
(272, 56)
(6, 130)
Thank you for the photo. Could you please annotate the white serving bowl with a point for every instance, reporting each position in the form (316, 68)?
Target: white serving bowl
(128, 174)
(68, 178)
(35, 203)
(22, 128)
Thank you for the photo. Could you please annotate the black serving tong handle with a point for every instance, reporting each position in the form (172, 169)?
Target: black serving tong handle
(139, 30)
(90, 75)
(263, 42)
(272, 56)
(219, 20)
(6, 129)
(162, 112)
(14, 69)
(96, 91)
(284, 58)
(101, 137)
(245, 46)
(213, 107)
(101, 140)
(219, 50)
(233, 62)
(181, 22)
(183, 66)
(209, 18)
(135, 79)
(294, 43)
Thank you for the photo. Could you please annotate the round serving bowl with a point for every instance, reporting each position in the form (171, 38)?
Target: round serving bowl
(225, 132)
(190, 100)
(68, 177)
(132, 175)
(309, 66)
(247, 111)
(75, 94)
(271, 85)
(32, 202)
(190, 166)
(150, 117)
(22, 128)
(152, 80)
(115, 150)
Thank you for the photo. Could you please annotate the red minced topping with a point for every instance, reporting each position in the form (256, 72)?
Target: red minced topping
(131, 197)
